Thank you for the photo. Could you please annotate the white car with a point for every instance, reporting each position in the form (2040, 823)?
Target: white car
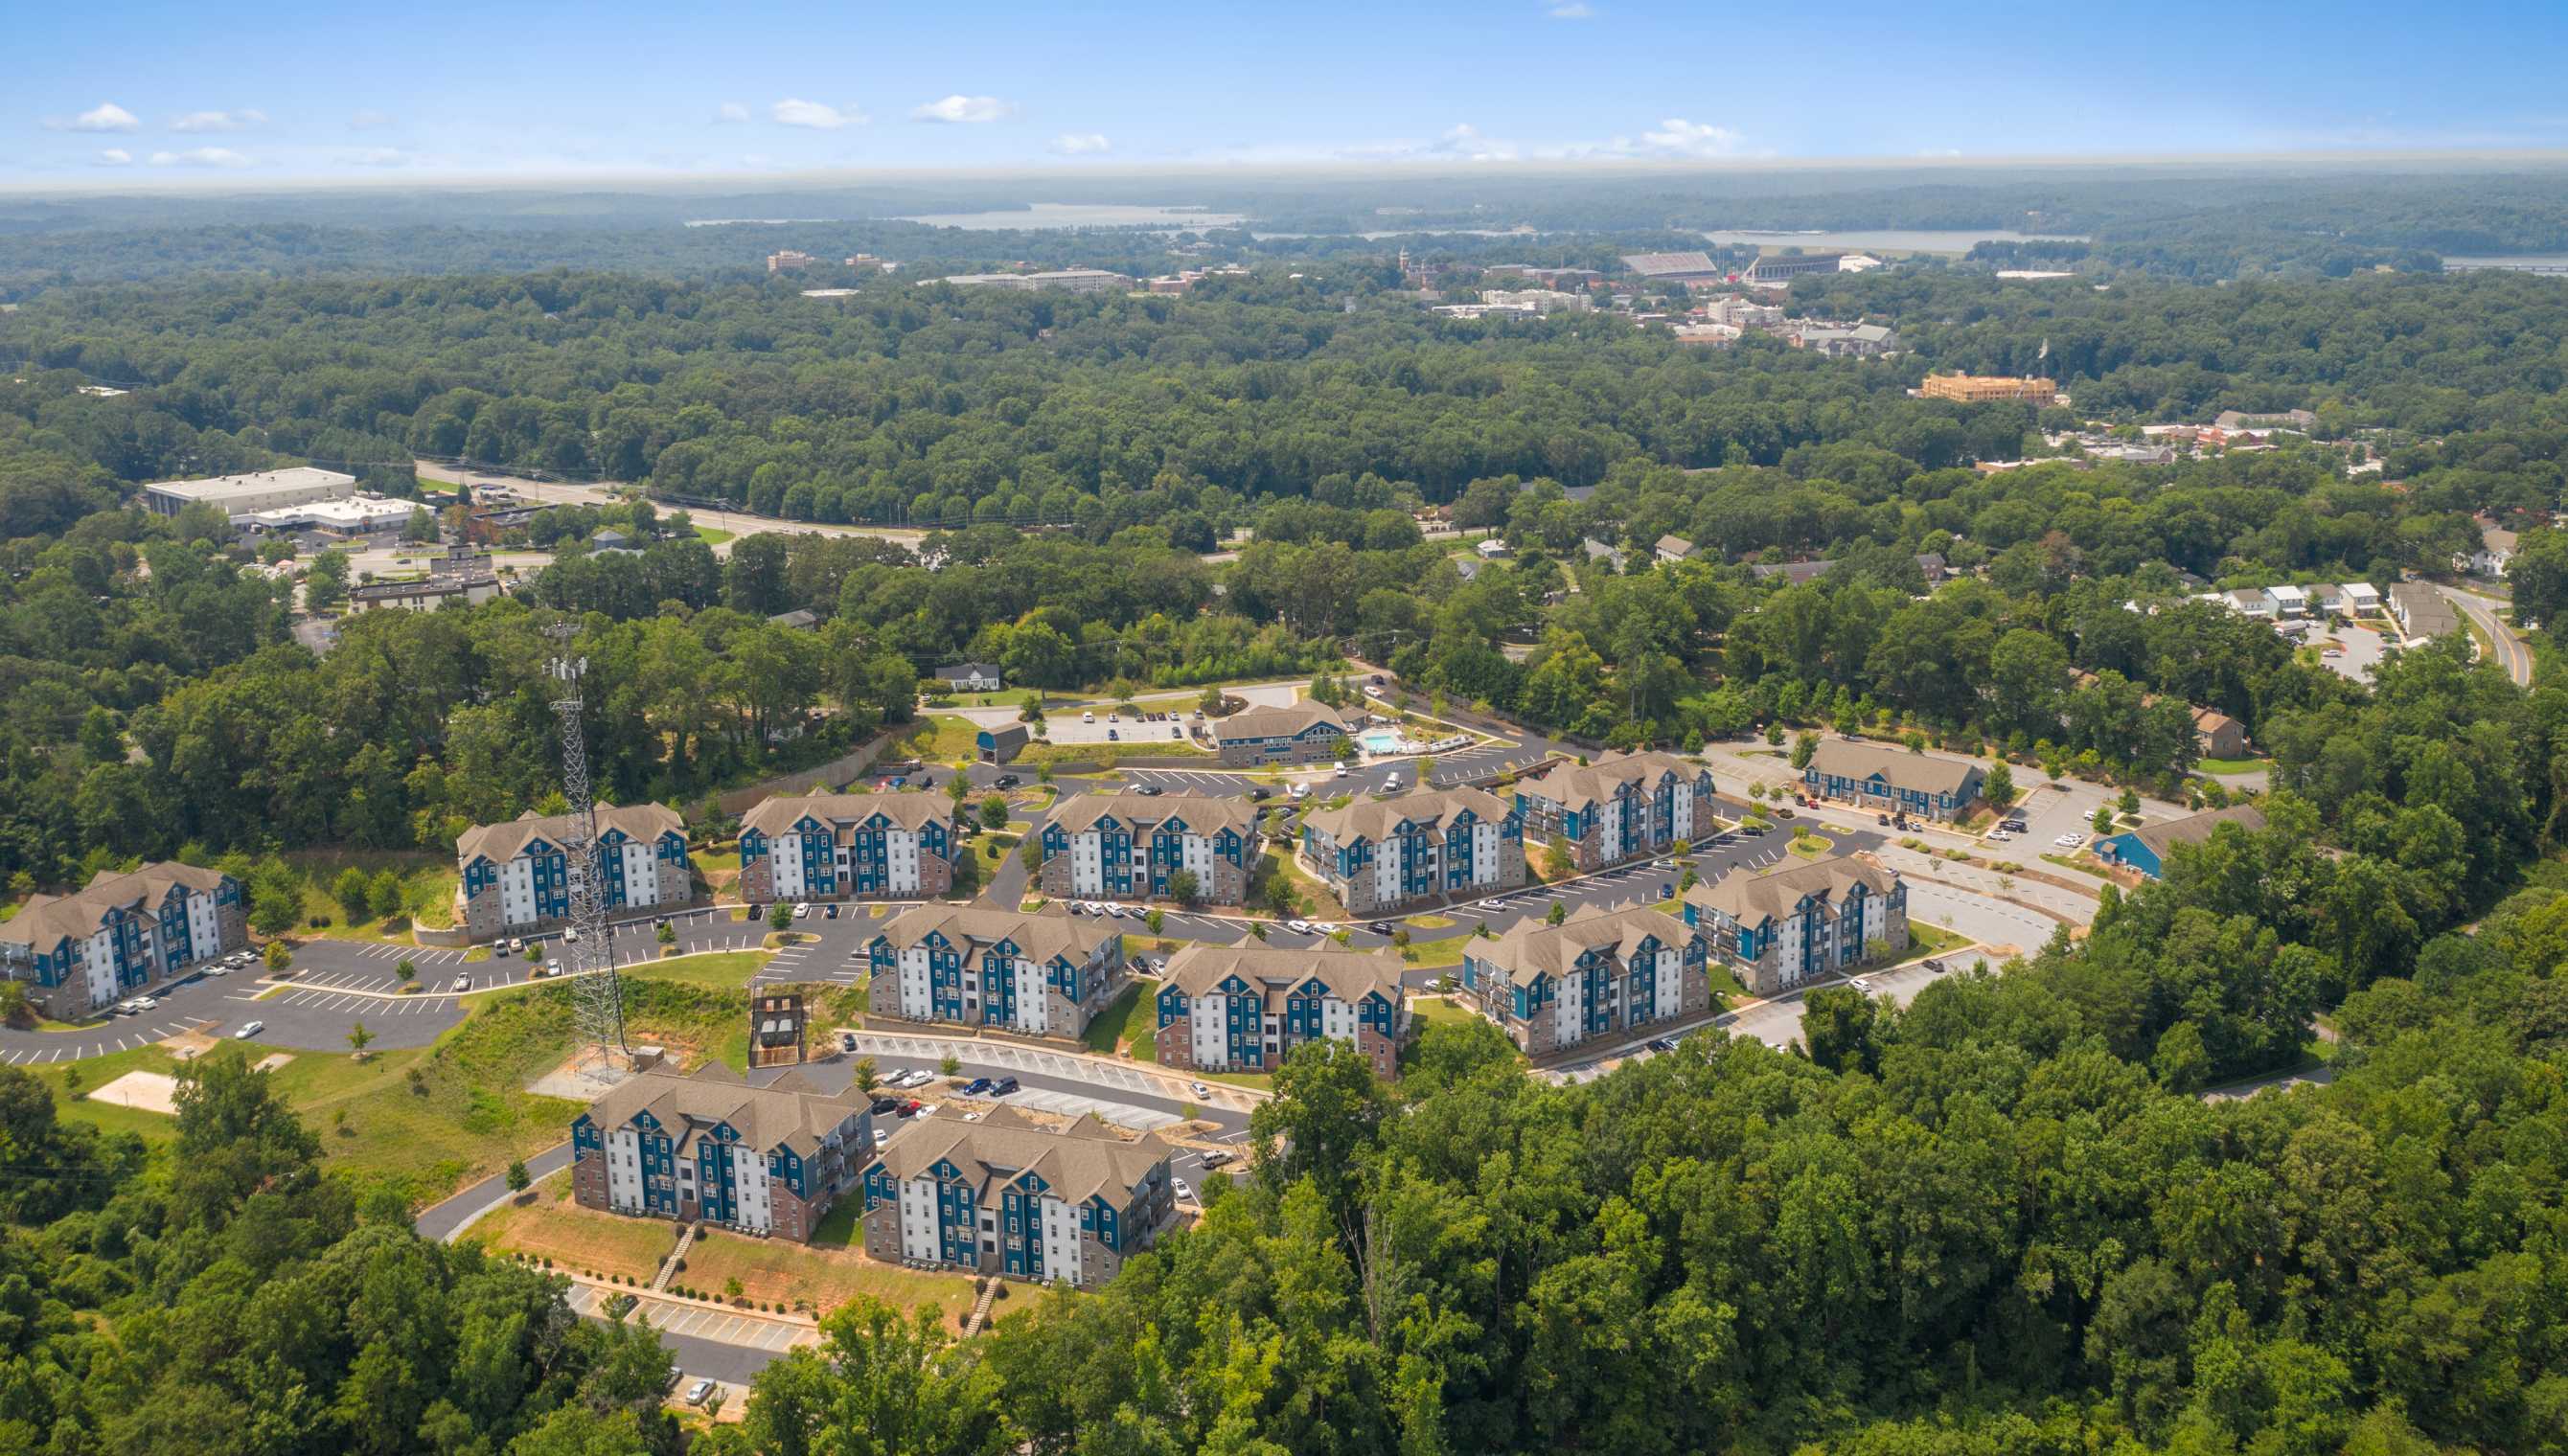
(219, 968)
(146, 1002)
(1185, 1191)
(1342, 771)
(1298, 927)
(2069, 841)
(1088, 717)
(1391, 783)
(570, 933)
(881, 1137)
(553, 967)
(1301, 791)
(463, 983)
(1114, 908)
(1199, 1090)
(802, 910)
(1861, 985)
(252, 1029)
(700, 1393)
(2000, 836)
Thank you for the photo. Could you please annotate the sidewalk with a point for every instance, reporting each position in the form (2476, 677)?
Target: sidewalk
(1149, 1077)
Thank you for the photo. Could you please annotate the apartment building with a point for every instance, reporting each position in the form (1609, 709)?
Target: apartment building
(849, 846)
(1622, 806)
(1378, 855)
(1891, 779)
(1973, 389)
(1245, 1007)
(120, 935)
(1002, 1196)
(1299, 732)
(1776, 931)
(1069, 280)
(1042, 975)
(2421, 612)
(1130, 846)
(515, 876)
(1598, 973)
(765, 1160)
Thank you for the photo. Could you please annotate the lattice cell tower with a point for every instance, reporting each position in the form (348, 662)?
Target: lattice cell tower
(596, 991)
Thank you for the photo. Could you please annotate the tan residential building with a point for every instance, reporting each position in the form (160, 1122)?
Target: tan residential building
(1973, 389)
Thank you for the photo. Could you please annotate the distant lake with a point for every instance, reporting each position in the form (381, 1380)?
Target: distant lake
(1043, 215)
(1889, 240)
(2512, 262)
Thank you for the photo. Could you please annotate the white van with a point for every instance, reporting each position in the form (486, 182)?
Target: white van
(1391, 782)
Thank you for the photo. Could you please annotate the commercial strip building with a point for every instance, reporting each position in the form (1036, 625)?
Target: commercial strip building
(1042, 975)
(515, 876)
(1297, 732)
(1622, 806)
(1002, 1196)
(1069, 280)
(2149, 848)
(1245, 1007)
(120, 935)
(1974, 388)
(1776, 931)
(424, 594)
(765, 1160)
(1882, 777)
(1130, 846)
(1597, 974)
(248, 495)
(1378, 855)
(352, 515)
(849, 846)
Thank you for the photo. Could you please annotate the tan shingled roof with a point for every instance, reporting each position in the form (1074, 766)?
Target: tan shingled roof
(1923, 772)
(1371, 818)
(2197, 828)
(1570, 786)
(1275, 723)
(501, 842)
(789, 1114)
(1202, 813)
(1348, 974)
(48, 919)
(1037, 937)
(778, 814)
(1078, 1162)
(1752, 899)
(1531, 948)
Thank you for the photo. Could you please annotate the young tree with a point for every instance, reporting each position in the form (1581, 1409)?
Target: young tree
(1559, 911)
(994, 813)
(274, 907)
(517, 1176)
(668, 934)
(2129, 803)
(1998, 787)
(1155, 918)
(354, 892)
(780, 916)
(279, 956)
(1184, 888)
(1557, 859)
(2103, 820)
(359, 1039)
(867, 1075)
(951, 1065)
(384, 895)
(1805, 747)
(404, 971)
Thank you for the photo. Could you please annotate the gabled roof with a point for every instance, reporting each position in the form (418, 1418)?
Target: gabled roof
(501, 842)
(2197, 828)
(1922, 772)
(1037, 937)
(48, 919)
(1531, 949)
(1675, 547)
(1350, 975)
(786, 1114)
(1202, 812)
(1076, 1163)
(799, 617)
(778, 814)
(1371, 818)
(1276, 722)
(1570, 786)
(1752, 899)
(952, 671)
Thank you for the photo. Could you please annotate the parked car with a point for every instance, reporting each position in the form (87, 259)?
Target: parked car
(1003, 1086)
(1006, 780)
(1783, 812)
(1184, 1190)
(1298, 927)
(252, 1029)
(833, 911)
(976, 1086)
(1391, 782)
(847, 1043)
(1861, 985)
(2018, 825)
(1752, 831)
(1933, 965)
(517, 945)
(463, 983)
(1881, 819)
(2000, 836)
(1199, 1090)
(1660, 1044)
(1380, 927)
(1149, 791)
(219, 968)
(881, 1137)
(553, 967)
(570, 932)
(1115, 908)
(700, 1393)
(802, 910)
(882, 1106)
(2069, 841)
(1666, 890)
(1215, 1158)
(1258, 795)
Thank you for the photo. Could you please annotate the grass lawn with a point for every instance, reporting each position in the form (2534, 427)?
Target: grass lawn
(1438, 1009)
(829, 1272)
(1813, 846)
(731, 968)
(427, 893)
(2233, 766)
(1278, 860)
(1429, 954)
(939, 739)
(1040, 754)
(579, 1240)
(1106, 1033)
(1428, 922)
(711, 535)
(1933, 940)
(1004, 697)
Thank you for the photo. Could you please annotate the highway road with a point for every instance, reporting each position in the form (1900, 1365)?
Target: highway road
(2511, 654)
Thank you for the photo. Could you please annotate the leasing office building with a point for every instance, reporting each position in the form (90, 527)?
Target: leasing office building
(515, 876)
(1597, 974)
(1888, 779)
(1131, 846)
(849, 846)
(710, 1147)
(1002, 1196)
(1245, 1007)
(1041, 975)
(120, 935)
(1298, 732)
(1378, 855)
(1776, 931)
(1622, 806)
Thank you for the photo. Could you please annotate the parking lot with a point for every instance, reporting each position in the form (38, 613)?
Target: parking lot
(1120, 728)
(2361, 649)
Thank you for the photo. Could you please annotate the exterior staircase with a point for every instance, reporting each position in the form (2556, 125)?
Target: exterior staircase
(669, 1266)
(980, 1309)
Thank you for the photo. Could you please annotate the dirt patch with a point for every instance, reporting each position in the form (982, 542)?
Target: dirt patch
(579, 1080)
(274, 1060)
(150, 1091)
(188, 1046)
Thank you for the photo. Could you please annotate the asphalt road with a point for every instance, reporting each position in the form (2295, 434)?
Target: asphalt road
(2511, 654)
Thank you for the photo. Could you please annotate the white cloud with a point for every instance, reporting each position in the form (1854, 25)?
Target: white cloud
(965, 109)
(381, 157)
(820, 116)
(115, 156)
(366, 119)
(1572, 10)
(201, 156)
(108, 118)
(1080, 143)
(218, 121)
(731, 111)
(1682, 138)
(1468, 141)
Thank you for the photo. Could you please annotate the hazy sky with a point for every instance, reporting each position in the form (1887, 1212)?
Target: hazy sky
(145, 92)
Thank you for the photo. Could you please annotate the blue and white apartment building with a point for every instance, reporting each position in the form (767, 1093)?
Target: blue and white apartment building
(849, 846)
(1598, 973)
(1245, 1007)
(120, 935)
(1778, 931)
(1041, 975)
(1131, 846)
(1378, 855)
(765, 1160)
(1622, 806)
(515, 876)
(1002, 1196)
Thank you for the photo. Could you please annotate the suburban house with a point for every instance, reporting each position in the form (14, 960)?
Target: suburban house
(1002, 1196)
(1379, 854)
(799, 619)
(2251, 601)
(516, 875)
(970, 677)
(2218, 736)
(1001, 745)
(1043, 974)
(2360, 598)
(1245, 1007)
(1596, 974)
(1882, 777)
(1129, 846)
(2495, 549)
(120, 935)
(2289, 601)
(1779, 930)
(1600, 551)
(2421, 612)
(1299, 732)
(1619, 807)
(712, 1148)
(1673, 550)
(849, 846)
(2149, 848)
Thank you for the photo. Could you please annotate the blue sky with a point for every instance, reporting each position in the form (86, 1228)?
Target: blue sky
(156, 94)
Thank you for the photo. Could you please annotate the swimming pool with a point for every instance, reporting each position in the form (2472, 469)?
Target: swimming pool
(1383, 741)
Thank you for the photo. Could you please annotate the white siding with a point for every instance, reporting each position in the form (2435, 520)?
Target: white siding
(1684, 815)
(518, 892)
(787, 852)
(1671, 986)
(1212, 1046)
(1034, 1002)
(916, 1002)
(1060, 1241)
(1485, 854)
(1569, 1013)
(204, 933)
(901, 858)
(1195, 854)
(1609, 831)
(641, 876)
(1337, 1020)
(755, 1207)
(918, 1222)
(625, 1170)
(1086, 865)
(97, 954)
(1385, 870)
